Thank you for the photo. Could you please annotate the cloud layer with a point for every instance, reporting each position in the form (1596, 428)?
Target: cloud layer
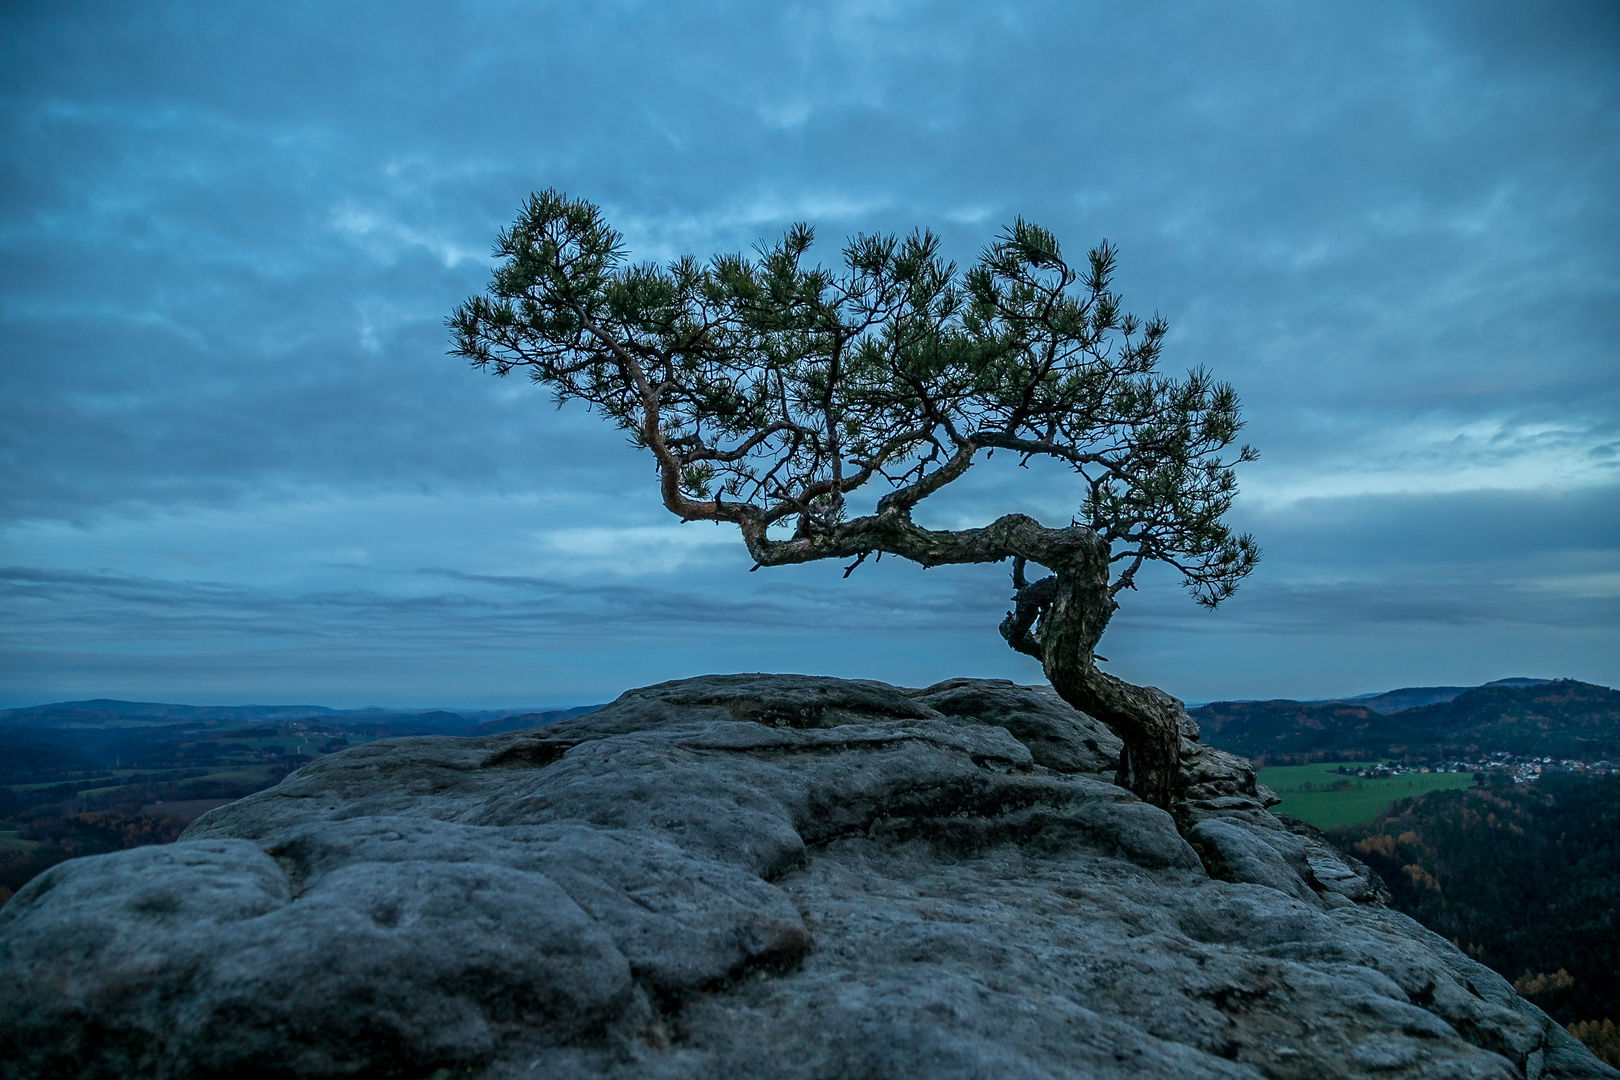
(234, 459)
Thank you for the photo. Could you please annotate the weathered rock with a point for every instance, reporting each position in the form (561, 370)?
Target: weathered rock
(1332, 873)
(1058, 737)
(749, 876)
(1233, 853)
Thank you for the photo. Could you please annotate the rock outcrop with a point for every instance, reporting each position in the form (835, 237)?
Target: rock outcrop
(750, 876)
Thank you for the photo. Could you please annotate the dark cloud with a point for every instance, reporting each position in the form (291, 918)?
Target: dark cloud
(230, 232)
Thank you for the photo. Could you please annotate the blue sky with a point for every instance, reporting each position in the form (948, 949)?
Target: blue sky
(237, 465)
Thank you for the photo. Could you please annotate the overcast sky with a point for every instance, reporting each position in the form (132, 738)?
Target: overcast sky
(236, 464)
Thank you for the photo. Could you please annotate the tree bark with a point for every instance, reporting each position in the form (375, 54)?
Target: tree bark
(1150, 762)
(1073, 608)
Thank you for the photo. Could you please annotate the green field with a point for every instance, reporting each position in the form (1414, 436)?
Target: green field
(1308, 791)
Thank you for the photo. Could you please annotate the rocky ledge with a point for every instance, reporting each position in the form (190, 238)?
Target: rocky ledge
(750, 876)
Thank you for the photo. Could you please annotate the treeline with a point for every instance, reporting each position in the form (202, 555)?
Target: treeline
(1524, 878)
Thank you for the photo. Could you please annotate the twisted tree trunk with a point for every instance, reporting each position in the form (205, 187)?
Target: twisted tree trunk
(1059, 620)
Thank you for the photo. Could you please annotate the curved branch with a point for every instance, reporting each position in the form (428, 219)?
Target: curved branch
(1030, 602)
(893, 532)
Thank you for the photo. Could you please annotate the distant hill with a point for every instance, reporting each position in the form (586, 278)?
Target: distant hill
(1411, 697)
(74, 741)
(106, 713)
(178, 712)
(504, 724)
(1559, 719)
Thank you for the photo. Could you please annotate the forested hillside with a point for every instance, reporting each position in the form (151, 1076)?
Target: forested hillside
(1558, 719)
(1524, 877)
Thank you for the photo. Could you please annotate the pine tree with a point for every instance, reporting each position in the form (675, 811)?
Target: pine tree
(771, 393)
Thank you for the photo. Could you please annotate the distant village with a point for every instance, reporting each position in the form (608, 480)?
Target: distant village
(1521, 769)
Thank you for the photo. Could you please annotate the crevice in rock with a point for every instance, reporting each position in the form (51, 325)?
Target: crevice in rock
(530, 753)
(1234, 1000)
(927, 809)
(780, 962)
(292, 867)
(864, 745)
(806, 714)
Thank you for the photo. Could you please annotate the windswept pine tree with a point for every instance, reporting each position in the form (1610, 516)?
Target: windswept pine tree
(772, 394)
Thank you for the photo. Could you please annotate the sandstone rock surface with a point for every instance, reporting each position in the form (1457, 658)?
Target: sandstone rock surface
(750, 876)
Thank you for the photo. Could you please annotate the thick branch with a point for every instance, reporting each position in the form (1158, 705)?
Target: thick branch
(891, 530)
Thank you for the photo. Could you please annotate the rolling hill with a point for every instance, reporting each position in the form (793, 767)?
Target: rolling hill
(1561, 719)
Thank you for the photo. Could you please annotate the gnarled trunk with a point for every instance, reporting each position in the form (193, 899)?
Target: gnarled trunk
(1059, 621)
(1150, 763)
